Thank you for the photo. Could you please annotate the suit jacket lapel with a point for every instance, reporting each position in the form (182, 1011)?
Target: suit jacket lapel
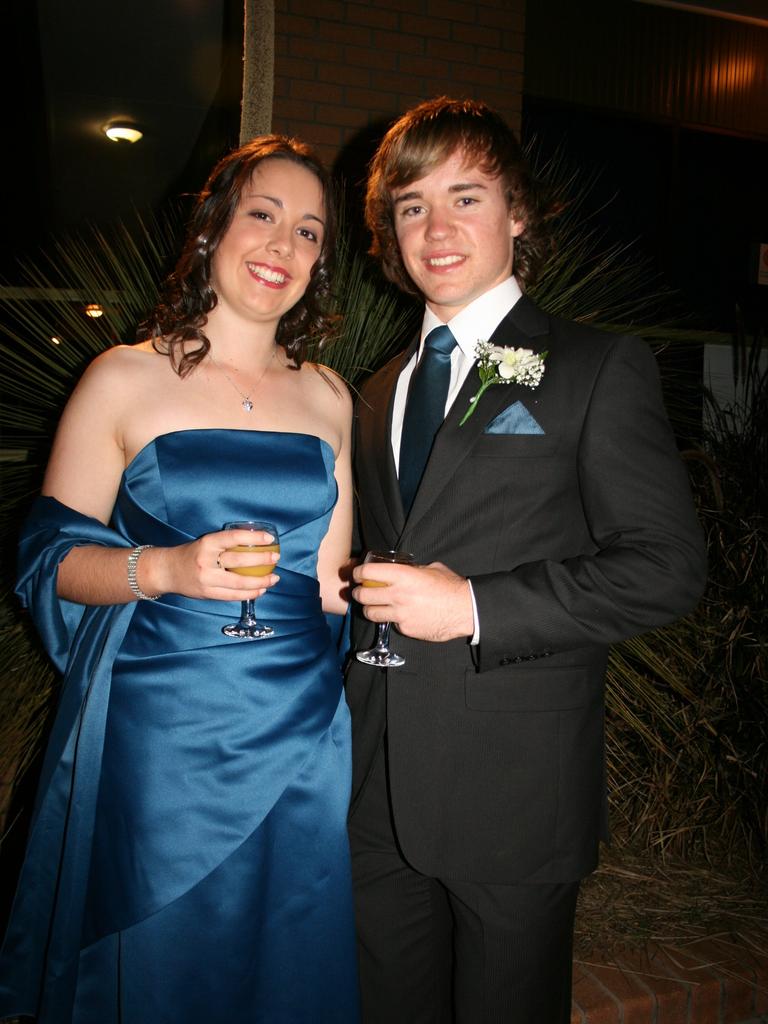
(381, 438)
(524, 323)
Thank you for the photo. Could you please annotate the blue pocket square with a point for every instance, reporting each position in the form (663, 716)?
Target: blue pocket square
(515, 419)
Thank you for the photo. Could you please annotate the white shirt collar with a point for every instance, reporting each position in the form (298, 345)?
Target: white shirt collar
(477, 321)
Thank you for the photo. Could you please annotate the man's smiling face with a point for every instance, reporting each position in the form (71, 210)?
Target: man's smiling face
(456, 234)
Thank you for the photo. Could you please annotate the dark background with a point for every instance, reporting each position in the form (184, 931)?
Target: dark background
(615, 87)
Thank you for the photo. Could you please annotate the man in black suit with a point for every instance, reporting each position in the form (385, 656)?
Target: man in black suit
(554, 521)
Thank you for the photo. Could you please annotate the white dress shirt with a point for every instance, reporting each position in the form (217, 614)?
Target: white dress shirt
(476, 322)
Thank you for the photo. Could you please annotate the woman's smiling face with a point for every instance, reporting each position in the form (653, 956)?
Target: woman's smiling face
(262, 265)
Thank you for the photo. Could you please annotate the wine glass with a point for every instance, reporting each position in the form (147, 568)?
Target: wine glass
(249, 627)
(380, 655)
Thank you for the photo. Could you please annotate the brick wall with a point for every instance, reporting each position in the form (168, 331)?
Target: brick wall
(343, 70)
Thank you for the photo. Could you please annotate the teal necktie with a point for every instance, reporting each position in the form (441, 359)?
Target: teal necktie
(425, 409)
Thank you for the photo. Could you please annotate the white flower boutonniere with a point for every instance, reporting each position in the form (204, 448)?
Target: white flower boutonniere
(498, 364)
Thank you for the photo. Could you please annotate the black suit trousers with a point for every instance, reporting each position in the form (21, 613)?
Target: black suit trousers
(440, 951)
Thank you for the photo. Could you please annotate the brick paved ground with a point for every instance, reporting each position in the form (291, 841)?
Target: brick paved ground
(718, 980)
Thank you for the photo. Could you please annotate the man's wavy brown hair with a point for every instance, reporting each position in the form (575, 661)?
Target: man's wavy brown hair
(188, 295)
(424, 138)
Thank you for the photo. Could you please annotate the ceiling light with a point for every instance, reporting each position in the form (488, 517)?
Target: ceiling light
(119, 131)
(93, 309)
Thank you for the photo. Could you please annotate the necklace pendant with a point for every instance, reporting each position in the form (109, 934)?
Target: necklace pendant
(247, 404)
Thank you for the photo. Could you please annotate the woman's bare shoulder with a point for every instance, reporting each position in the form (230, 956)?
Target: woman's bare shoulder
(123, 357)
(122, 363)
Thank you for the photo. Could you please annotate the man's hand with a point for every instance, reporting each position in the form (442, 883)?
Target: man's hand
(428, 602)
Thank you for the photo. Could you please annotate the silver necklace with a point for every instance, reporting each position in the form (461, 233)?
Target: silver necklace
(246, 403)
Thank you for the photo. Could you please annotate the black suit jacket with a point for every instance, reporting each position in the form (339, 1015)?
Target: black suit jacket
(573, 538)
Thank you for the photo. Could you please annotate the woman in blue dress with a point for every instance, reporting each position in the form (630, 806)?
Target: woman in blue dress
(188, 862)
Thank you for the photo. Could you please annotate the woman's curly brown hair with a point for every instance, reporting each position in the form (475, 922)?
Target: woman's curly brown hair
(188, 295)
(426, 137)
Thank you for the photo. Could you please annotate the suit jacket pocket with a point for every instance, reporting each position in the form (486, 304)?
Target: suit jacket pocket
(520, 688)
(515, 446)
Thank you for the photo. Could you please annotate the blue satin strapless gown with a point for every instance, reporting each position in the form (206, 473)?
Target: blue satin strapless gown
(188, 862)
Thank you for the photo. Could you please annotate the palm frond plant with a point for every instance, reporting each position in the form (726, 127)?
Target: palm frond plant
(673, 734)
(46, 339)
(373, 318)
(587, 277)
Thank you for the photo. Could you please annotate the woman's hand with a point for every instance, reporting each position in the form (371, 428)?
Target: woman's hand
(96, 575)
(207, 567)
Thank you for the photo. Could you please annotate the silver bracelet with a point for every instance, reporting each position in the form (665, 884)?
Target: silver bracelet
(133, 560)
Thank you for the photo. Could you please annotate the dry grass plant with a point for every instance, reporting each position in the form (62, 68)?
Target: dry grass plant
(688, 740)
(638, 902)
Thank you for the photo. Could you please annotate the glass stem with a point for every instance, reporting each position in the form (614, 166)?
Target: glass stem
(382, 636)
(248, 613)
